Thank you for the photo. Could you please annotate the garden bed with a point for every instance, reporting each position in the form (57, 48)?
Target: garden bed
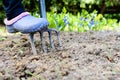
(83, 56)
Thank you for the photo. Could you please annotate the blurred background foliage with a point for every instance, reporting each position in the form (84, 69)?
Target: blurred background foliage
(62, 12)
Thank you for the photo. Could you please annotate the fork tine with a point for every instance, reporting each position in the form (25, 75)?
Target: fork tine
(50, 38)
(58, 36)
(32, 43)
(42, 41)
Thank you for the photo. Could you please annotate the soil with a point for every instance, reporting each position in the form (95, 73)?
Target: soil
(83, 56)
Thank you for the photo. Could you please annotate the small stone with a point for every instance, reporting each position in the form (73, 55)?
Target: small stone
(38, 70)
(64, 73)
(34, 58)
(65, 55)
(1, 76)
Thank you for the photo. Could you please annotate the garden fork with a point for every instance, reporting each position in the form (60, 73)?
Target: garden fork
(43, 15)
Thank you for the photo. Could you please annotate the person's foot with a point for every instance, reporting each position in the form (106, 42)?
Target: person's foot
(25, 23)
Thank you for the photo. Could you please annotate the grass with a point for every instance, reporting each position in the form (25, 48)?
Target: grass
(2, 33)
(2, 30)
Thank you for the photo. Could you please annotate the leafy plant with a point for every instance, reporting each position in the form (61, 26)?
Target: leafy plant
(81, 22)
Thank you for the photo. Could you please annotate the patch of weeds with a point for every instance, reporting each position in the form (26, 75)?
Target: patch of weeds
(2, 38)
(20, 51)
(110, 58)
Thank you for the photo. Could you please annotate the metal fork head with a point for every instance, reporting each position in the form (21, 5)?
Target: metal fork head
(44, 48)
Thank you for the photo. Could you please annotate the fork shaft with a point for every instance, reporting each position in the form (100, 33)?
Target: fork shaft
(32, 43)
(42, 8)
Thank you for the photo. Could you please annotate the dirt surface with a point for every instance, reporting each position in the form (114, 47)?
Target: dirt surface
(83, 56)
